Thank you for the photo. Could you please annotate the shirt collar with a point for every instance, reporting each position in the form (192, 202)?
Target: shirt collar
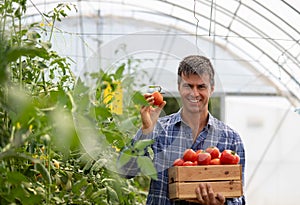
(178, 118)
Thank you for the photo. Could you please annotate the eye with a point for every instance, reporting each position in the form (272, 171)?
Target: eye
(202, 86)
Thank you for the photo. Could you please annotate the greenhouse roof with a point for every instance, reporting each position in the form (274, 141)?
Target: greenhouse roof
(261, 35)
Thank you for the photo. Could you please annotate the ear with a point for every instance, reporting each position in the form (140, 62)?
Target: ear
(212, 89)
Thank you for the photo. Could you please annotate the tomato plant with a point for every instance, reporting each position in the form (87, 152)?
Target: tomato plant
(43, 160)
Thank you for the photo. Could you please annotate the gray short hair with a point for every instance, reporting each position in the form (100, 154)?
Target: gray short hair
(195, 64)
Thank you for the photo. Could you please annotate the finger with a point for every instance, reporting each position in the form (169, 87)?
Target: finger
(210, 193)
(198, 194)
(149, 98)
(146, 95)
(220, 198)
(161, 106)
(204, 194)
(144, 108)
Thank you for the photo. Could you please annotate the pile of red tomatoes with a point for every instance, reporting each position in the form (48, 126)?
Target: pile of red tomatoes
(209, 156)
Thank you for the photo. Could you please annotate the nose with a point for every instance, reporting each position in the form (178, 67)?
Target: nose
(195, 91)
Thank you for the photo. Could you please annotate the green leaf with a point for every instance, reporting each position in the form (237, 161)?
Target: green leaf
(124, 158)
(142, 144)
(102, 112)
(42, 169)
(119, 73)
(14, 53)
(98, 193)
(15, 177)
(89, 189)
(76, 188)
(147, 167)
(112, 194)
(139, 99)
(99, 164)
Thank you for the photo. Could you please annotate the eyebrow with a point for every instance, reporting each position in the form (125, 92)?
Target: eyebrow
(198, 85)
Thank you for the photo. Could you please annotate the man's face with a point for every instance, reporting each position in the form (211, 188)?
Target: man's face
(195, 91)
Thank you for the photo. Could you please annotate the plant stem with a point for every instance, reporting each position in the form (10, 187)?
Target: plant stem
(20, 58)
(48, 196)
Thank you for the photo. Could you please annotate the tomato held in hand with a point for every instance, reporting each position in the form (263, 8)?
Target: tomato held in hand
(189, 155)
(213, 151)
(158, 98)
(178, 162)
(229, 157)
(203, 158)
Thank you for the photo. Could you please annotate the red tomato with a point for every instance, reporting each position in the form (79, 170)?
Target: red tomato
(237, 158)
(178, 162)
(213, 151)
(215, 161)
(203, 158)
(158, 98)
(199, 151)
(189, 155)
(188, 163)
(229, 157)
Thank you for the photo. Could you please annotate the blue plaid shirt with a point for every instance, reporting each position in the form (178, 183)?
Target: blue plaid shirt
(171, 138)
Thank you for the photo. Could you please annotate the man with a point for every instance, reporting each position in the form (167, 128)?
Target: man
(191, 127)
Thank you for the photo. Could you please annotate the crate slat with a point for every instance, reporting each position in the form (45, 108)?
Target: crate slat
(224, 179)
(204, 173)
(186, 190)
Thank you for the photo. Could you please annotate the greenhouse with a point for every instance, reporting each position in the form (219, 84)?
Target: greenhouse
(68, 55)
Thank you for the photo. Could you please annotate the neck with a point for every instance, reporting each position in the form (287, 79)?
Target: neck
(197, 121)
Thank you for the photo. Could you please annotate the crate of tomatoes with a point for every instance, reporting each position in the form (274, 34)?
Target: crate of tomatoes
(221, 170)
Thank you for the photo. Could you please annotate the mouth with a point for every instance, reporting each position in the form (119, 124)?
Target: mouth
(194, 100)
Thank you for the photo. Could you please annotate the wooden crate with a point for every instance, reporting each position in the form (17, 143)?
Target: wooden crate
(225, 179)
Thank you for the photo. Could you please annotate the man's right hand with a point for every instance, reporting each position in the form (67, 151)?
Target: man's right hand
(150, 114)
(206, 195)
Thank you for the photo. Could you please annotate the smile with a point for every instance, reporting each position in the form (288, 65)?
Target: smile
(194, 100)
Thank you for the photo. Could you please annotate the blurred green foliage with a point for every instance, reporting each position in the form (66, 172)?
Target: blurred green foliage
(59, 141)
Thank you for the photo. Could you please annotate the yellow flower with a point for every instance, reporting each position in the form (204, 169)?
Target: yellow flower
(116, 148)
(56, 163)
(30, 128)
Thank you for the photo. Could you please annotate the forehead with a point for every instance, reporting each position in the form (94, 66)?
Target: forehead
(195, 79)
